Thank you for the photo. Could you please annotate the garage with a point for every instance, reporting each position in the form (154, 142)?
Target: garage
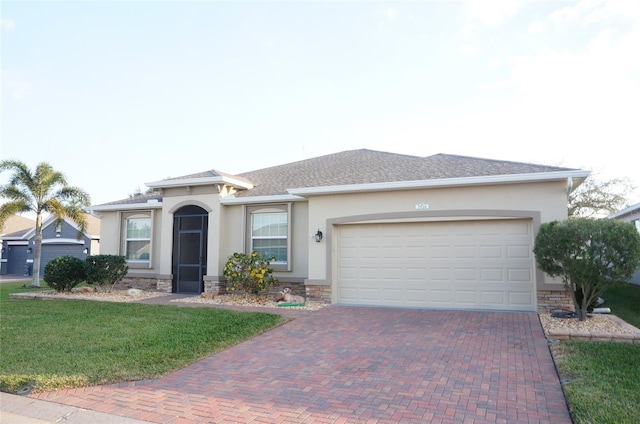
(466, 264)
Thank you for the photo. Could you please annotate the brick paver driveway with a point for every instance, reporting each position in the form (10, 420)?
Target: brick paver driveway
(358, 365)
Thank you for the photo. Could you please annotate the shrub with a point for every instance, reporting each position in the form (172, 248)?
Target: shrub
(106, 270)
(589, 255)
(64, 273)
(250, 273)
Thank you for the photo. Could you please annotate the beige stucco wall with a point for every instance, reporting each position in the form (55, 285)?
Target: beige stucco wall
(548, 200)
(110, 238)
(311, 261)
(233, 238)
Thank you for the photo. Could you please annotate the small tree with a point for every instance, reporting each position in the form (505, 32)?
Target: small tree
(64, 273)
(105, 270)
(43, 191)
(250, 273)
(599, 197)
(589, 255)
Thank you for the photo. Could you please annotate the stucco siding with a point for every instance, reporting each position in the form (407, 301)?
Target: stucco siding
(547, 200)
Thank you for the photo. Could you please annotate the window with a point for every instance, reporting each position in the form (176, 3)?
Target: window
(137, 239)
(269, 234)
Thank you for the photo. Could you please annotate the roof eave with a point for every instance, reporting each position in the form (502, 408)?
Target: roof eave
(626, 211)
(573, 177)
(284, 198)
(127, 207)
(191, 182)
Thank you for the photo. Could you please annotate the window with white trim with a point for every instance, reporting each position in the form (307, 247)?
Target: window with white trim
(269, 234)
(137, 238)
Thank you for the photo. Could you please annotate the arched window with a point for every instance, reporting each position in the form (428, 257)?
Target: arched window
(269, 229)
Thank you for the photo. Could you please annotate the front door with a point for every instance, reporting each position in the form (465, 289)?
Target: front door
(189, 249)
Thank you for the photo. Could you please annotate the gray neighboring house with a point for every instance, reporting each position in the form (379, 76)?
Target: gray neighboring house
(358, 227)
(57, 240)
(630, 214)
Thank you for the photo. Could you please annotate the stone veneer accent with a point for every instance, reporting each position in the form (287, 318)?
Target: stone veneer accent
(318, 293)
(553, 300)
(145, 284)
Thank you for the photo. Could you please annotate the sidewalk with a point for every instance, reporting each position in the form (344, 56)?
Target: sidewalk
(16, 409)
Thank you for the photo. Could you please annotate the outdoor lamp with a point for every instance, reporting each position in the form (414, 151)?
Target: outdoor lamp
(318, 236)
(29, 249)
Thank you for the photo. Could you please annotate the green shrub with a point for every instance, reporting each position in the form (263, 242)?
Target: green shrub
(589, 255)
(64, 273)
(105, 270)
(250, 273)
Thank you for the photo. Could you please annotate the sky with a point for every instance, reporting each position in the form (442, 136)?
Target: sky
(116, 94)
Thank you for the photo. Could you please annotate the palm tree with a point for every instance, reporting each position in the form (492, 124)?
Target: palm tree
(43, 191)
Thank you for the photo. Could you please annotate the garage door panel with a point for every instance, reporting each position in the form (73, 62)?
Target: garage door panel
(492, 297)
(492, 275)
(520, 298)
(491, 252)
(465, 274)
(519, 252)
(461, 264)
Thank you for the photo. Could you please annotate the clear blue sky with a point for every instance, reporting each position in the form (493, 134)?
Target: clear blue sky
(119, 93)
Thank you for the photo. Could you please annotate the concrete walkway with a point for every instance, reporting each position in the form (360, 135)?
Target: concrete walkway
(356, 365)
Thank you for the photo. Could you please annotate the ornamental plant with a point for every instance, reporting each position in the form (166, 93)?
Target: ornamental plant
(589, 255)
(106, 270)
(64, 273)
(249, 273)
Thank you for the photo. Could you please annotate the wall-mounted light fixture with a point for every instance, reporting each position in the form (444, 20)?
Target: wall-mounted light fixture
(29, 249)
(85, 251)
(318, 236)
(4, 250)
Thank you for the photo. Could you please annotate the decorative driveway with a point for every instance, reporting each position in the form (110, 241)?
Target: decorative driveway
(357, 365)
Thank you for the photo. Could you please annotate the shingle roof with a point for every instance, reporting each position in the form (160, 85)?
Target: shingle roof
(17, 224)
(360, 167)
(143, 198)
(369, 166)
(93, 227)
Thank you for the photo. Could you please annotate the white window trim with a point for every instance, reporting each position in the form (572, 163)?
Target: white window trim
(124, 217)
(249, 210)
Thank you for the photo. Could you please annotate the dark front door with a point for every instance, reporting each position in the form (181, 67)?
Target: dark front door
(189, 249)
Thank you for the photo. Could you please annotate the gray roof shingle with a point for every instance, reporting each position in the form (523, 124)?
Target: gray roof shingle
(362, 166)
(369, 166)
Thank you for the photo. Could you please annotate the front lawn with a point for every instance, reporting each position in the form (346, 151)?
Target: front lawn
(624, 302)
(74, 342)
(602, 379)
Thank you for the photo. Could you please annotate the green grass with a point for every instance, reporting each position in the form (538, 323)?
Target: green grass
(603, 381)
(603, 378)
(73, 343)
(624, 302)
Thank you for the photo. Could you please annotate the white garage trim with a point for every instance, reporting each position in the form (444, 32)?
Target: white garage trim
(471, 264)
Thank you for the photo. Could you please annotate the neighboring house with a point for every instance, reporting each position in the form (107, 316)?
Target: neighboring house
(57, 240)
(630, 214)
(358, 227)
(13, 224)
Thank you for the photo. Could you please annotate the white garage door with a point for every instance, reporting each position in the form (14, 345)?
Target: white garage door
(455, 264)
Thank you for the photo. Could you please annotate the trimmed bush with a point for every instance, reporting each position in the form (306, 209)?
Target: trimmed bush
(250, 273)
(105, 270)
(64, 273)
(589, 255)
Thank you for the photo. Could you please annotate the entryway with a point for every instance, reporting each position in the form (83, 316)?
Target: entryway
(190, 225)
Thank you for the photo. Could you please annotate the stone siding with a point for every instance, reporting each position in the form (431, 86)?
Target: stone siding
(319, 293)
(551, 301)
(144, 284)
